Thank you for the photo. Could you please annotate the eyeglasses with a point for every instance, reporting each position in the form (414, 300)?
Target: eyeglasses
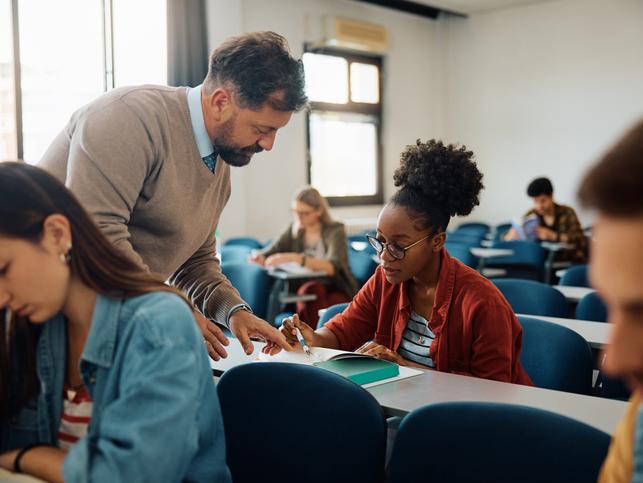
(395, 251)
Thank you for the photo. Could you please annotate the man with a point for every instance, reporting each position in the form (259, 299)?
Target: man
(615, 188)
(152, 166)
(556, 223)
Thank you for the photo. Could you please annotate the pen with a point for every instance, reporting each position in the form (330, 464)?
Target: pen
(301, 340)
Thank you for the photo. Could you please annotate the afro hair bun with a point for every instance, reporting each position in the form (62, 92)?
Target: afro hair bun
(443, 177)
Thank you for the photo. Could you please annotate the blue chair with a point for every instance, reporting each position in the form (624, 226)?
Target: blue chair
(556, 357)
(500, 230)
(533, 298)
(252, 282)
(235, 253)
(473, 226)
(528, 260)
(279, 319)
(591, 307)
(279, 417)
(331, 312)
(461, 252)
(463, 442)
(362, 265)
(245, 241)
(575, 276)
(470, 239)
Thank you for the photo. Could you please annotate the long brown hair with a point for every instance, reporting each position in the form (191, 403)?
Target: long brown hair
(28, 195)
(313, 198)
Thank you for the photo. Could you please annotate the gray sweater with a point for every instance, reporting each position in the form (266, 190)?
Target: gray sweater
(131, 159)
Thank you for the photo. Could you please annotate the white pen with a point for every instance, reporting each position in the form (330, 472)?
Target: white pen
(302, 341)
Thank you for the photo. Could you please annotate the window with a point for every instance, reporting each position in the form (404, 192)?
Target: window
(344, 126)
(67, 53)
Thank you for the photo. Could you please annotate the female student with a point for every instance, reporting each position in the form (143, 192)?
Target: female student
(315, 241)
(421, 307)
(103, 373)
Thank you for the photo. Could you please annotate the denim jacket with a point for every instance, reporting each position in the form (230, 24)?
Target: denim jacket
(155, 414)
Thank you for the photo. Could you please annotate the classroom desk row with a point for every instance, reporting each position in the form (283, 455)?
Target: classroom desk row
(401, 397)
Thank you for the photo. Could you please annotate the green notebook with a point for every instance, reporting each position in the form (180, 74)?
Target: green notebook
(360, 369)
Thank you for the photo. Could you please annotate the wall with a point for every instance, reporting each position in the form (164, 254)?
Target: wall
(542, 90)
(261, 193)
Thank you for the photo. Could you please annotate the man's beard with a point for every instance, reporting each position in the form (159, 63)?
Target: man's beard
(233, 154)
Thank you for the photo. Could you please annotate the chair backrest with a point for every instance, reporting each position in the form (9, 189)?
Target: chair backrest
(500, 230)
(471, 239)
(528, 260)
(362, 265)
(461, 442)
(462, 253)
(252, 282)
(575, 276)
(331, 312)
(235, 253)
(280, 417)
(533, 298)
(480, 229)
(591, 307)
(245, 241)
(556, 357)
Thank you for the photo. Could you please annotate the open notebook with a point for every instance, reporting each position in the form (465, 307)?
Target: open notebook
(359, 368)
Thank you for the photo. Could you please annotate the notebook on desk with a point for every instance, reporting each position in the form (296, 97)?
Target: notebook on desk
(359, 368)
(293, 268)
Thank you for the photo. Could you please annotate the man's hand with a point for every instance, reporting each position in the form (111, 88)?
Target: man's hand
(214, 337)
(544, 233)
(244, 325)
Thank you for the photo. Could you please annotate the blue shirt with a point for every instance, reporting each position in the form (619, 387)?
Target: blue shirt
(203, 141)
(155, 414)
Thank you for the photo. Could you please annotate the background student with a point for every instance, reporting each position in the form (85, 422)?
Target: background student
(615, 188)
(558, 223)
(422, 307)
(315, 241)
(103, 373)
(151, 164)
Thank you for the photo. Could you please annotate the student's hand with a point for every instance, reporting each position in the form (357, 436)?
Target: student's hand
(214, 337)
(256, 257)
(379, 351)
(288, 331)
(544, 233)
(244, 325)
(511, 234)
(279, 258)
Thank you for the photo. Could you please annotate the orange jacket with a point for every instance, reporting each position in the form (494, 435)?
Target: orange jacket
(476, 331)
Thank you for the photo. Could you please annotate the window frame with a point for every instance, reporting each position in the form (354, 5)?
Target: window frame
(364, 108)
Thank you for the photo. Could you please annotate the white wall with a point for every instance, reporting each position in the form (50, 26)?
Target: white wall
(261, 194)
(540, 90)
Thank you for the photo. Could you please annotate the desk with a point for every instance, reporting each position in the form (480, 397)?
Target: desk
(484, 253)
(9, 477)
(401, 397)
(573, 294)
(280, 292)
(553, 248)
(597, 334)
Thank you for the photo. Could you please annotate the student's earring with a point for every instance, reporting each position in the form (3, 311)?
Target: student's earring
(65, 257)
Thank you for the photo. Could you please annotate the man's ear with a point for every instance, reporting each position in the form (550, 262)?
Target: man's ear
(56, 234)
(220, 104)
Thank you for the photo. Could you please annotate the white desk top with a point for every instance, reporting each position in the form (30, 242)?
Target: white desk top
(556, 246)
(597, 334)
(284, 275)
(573, 294)
(399, 398)
(481, 252)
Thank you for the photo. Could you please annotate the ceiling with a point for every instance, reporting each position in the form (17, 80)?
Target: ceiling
(468, 7)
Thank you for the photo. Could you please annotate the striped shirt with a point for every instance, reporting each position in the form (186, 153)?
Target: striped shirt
(77, 412)
(416, 341)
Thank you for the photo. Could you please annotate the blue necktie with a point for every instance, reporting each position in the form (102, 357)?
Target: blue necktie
(211, 161)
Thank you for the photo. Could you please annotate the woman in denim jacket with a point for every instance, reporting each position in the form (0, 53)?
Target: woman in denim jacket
(103, 373)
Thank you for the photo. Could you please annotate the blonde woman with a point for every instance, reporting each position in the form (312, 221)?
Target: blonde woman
(315, 241)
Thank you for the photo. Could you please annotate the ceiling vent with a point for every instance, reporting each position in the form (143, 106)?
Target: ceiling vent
(351, 34)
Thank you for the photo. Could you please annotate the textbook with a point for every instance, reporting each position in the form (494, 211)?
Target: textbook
(526, 228)
(292, 268)
(359, 368)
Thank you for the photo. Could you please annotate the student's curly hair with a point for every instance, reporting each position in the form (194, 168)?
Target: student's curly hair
(437, 182)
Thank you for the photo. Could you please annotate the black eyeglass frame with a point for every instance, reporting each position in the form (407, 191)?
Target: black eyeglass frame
(379, 246)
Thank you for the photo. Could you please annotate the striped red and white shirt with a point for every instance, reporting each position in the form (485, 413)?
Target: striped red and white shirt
(76, 415)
